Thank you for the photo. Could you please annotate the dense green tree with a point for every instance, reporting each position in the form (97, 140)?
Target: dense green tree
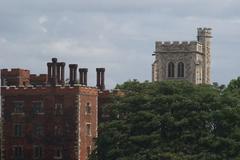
(234, 87)
(171, 120)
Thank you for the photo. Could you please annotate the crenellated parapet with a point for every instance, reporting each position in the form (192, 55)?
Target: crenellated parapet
(205, 32)
(41, 79)
(15, 72)
(45, 90)
(177, 46)
(15, 76)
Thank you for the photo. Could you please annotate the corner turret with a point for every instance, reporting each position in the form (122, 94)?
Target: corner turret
(204, 37)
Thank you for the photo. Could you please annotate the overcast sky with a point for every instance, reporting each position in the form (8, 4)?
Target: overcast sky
(116, 34)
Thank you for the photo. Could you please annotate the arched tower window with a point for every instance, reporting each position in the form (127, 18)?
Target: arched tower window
(180, 69)
(170, 69)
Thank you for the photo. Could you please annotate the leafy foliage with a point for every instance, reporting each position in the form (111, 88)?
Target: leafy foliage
(171, 121)
(234, 87)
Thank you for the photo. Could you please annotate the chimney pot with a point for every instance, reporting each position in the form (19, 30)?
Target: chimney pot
(73, 73)
(100, 78)
(54, 60)
(83, 75)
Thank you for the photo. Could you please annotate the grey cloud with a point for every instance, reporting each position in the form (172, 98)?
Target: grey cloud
(172, 7)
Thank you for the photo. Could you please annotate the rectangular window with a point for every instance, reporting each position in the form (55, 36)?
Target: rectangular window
(58, 110)
(88, 108)
(18, 152)
(58, 153)
(88, 129)
(18, 128)
(18, 106)
(37, 152)
(38, 130)
(58, 131)
(37, 107)
(88, 150)
(171, 70)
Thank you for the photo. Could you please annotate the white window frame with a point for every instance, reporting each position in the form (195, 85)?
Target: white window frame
(58, 109)
(22, 152)
(42, 107)
(41, 155)
(60, 156)
(36, 130)
(15, 110)
(15, 133)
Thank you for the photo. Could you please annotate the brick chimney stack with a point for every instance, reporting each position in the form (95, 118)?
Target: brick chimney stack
(52, 71)
(58, 72)
(83, 76)
(100, 78)
(62, 80)
(55, 72)
(73, 73)
(49, 65)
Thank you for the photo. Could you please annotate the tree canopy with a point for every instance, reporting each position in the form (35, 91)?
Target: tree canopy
(171, 120)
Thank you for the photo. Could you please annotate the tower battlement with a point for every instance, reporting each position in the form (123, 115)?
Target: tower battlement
(178, 46)
(15, 76)
(15, 72)
(204, 32)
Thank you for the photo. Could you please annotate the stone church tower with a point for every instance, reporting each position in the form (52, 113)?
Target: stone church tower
(184, 60)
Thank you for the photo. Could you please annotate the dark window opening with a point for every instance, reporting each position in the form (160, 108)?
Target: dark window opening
(18, 152)
(58, 110)
(38, 130)
(170, 69)
(88, 129)
(58, 153)
(18, 129)
(58, 131)
(180, 69)
(88, 108)
(37, 107)
(38, 152)
(18, 107)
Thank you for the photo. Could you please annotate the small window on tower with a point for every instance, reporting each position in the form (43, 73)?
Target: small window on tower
(88, 151)
(88, 108)
(88, 129)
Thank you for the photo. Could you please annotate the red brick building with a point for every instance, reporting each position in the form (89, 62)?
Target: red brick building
(43, 118)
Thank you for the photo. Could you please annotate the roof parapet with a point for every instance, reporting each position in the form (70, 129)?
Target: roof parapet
(177, 46)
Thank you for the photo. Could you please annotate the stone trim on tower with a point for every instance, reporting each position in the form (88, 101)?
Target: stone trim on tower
(204, 37)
